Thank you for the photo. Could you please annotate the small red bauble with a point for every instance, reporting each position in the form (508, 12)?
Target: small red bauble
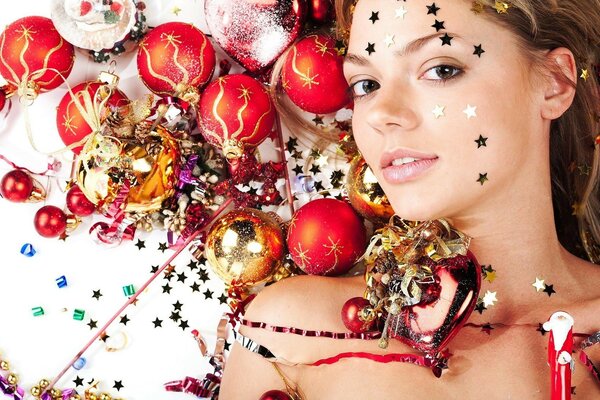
(320, 11)
(78, 204)
(50, 221)
(32, 50)
(326, 237)
(16, 186)
(351, 315)
(236, 112)
(313, 76)
(275, 395)
(2, 99)
(71, 125)
(174, 59)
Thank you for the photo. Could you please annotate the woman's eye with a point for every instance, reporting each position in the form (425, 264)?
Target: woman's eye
(363, 88)
(442, 72)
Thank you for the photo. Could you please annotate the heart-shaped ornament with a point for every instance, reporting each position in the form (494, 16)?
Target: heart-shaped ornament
(452, 298)
(255, 32)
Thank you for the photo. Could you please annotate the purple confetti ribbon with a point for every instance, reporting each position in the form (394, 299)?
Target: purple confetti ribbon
(11, 391)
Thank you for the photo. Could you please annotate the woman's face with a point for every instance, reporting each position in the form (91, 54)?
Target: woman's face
(442, 85)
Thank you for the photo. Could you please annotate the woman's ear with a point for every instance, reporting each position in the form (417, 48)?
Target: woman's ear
(561, 79)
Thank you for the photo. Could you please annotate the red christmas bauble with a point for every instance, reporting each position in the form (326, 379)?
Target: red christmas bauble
(31, 50)
(16, 186)
(320, 11)
(313, 76)
(174, 59)
(351, 315)
(2, 99)
(71, 125)
(275, 395)
(50, 221)
(78, 204)
(236, 112)
(326, 237)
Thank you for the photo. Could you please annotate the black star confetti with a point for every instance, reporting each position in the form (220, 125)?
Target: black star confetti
(181, 277)
(446, 39)
(226, 346)
(297, 155)
(92, 324)
(480, 308)
(549, 290)
(162, 247)
(183, 324)
(318, 120)
(541, 329)
(177, 305)
(315, 169)
(374, 16)
(167, 288)
(291, 144)
(573, 389)
(222, 299)
(195, 287)
(481, 142)
(124, 320)
(104, 337)
(208, 294)
(203, 275)
(319, 186)
(153, 269)
(438, 25)
(478, 51)
(78, 381)
(192, 265)
(482, 178)
(118, 385)
(370, 48)
(157, 323)
(140, 244)
(297, 169)
(97, 294)
(175, 316)
(432, 9)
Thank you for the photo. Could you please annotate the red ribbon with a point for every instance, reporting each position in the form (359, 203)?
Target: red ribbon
(205, 388)
(382, 358)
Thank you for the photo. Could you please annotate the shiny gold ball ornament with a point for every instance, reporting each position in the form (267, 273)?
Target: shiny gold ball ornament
(245, 247)
(36, 391)
(365, 194)
(44, 383)
(12, 379)
(150, 167)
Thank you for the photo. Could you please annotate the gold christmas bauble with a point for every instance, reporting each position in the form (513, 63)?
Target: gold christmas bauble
(151, 168)
(365, 194)
(245, 247)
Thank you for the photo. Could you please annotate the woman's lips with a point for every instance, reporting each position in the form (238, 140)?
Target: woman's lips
(407, 172)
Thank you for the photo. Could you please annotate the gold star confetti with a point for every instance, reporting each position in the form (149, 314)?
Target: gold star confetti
(576, 208)
(539, 284)
(489, 298)
(401, 12)
(176, 10)
(389, 40)
(477, 7)
(585, 74)
(490, 276)
(438, 111)
(501, 7)
(470, 111)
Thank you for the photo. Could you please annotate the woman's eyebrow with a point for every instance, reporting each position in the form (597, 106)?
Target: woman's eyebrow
(409, 48)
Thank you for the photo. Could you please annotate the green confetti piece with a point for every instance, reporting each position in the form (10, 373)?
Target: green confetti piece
(78, 314)
(37, 311)
(129, 290)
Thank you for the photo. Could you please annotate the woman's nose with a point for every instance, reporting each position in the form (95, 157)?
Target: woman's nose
(390, 111)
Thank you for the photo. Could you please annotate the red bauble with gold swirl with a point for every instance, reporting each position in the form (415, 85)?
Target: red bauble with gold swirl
(32, 54)
(326, 237)
(72, 126)
(236, 113)
(313, 76)
(175, 59)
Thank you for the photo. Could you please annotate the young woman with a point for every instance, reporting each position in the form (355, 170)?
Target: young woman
(484, 113)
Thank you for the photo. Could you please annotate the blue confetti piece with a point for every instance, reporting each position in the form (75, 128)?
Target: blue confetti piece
(80, 363)
(27, 250)
(61, 282)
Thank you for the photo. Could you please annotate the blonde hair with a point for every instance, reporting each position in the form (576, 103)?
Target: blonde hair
(542, 25)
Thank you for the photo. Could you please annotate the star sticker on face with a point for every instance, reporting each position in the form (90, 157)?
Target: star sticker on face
(446, 39)
(585, 74)
(438, 25)
(432, 9)
(374, 16)
(389, 40)
(438, 111)
(470, 111)
(370, 48)
(400, 12)
(538, 284)
(481, 142)
(489, 298)
(478, 51)
(482, 178)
